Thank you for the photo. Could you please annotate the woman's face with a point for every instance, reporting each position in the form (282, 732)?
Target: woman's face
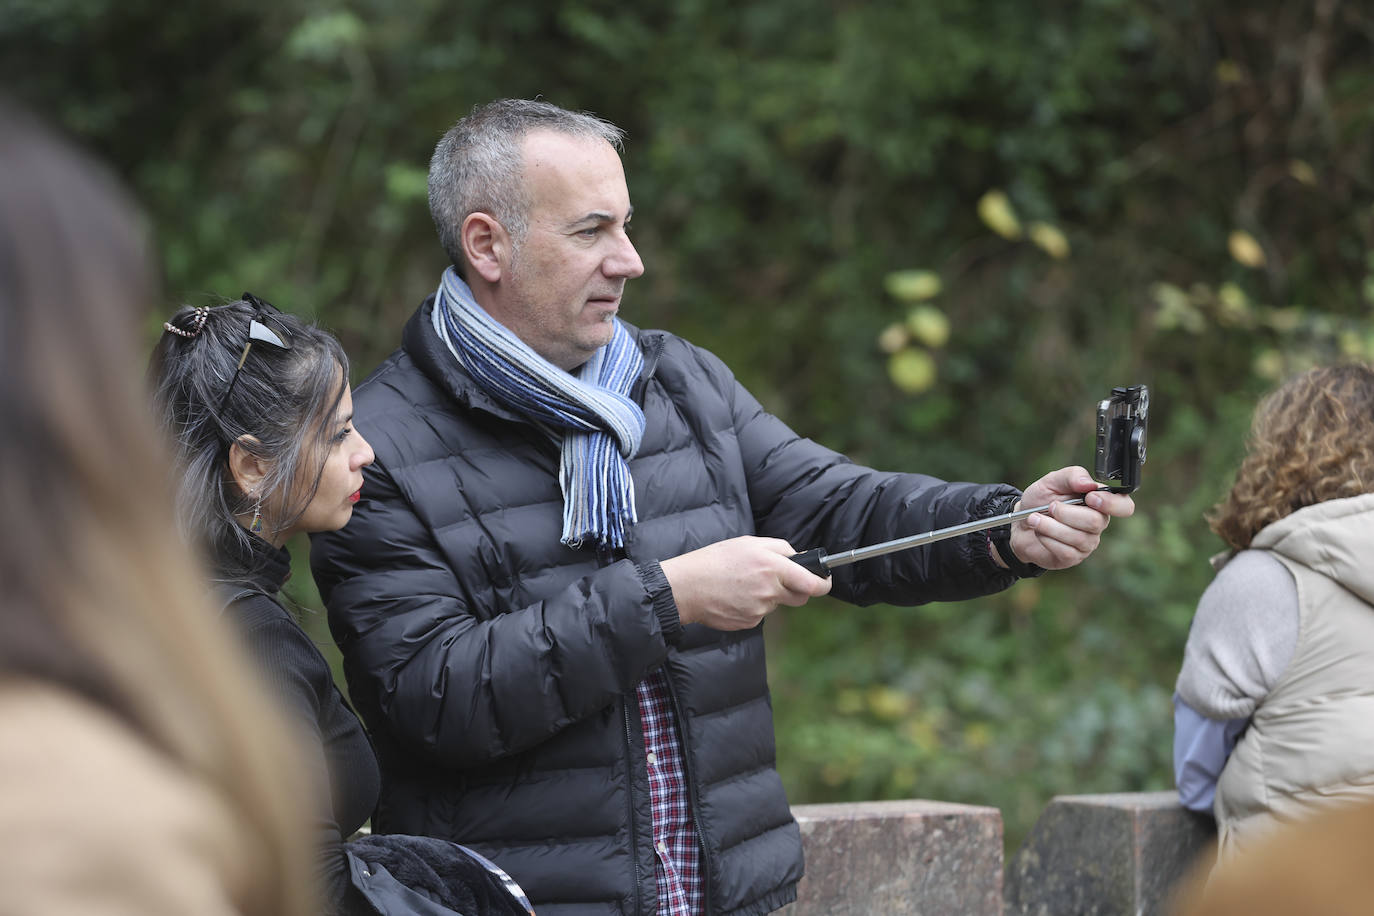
(342, 479)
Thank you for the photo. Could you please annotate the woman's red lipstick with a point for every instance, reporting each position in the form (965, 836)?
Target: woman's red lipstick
(357, 495)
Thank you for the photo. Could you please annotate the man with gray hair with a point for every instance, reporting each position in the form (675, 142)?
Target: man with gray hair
(550, 598)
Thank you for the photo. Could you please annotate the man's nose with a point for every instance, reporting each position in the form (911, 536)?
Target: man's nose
(624, 261)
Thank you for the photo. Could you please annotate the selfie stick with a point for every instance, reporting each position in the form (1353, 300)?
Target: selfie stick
(817, 561)
(1120, 438)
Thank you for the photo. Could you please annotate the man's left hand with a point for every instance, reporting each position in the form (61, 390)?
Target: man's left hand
(1065, 535)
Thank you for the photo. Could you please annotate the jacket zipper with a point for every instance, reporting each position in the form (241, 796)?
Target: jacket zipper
(637, 395)
(634, 830)
(693, 804)
(606, 556)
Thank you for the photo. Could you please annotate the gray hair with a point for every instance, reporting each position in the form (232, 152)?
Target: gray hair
(478, 165)
(278, 410)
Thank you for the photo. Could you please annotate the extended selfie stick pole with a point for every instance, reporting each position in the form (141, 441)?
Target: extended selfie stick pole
(1120, 451)
(819, 562)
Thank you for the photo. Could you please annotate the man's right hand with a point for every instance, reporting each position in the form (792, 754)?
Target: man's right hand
(734, 584)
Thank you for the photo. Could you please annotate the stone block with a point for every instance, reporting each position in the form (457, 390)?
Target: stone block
(900, 858)
(1104, 855)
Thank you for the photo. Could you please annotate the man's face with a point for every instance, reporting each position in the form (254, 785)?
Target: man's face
(562, 289)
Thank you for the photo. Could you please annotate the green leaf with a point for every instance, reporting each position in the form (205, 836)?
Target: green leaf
(326, 36)
(913, 285)
(405, 182)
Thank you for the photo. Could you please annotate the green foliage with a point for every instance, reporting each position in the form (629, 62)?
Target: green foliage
(807, 176)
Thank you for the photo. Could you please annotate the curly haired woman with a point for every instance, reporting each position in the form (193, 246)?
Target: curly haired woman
(1274, 705)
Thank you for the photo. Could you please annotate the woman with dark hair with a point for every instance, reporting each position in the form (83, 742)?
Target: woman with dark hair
(259, 405)
(1274, 705)
(142, 768)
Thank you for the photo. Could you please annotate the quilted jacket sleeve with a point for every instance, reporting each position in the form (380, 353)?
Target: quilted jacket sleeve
(812, 496)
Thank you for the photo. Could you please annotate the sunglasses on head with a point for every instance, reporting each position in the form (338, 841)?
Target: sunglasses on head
(258, 331)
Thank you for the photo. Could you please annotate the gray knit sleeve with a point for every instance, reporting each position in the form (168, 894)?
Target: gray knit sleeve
(1242, 638)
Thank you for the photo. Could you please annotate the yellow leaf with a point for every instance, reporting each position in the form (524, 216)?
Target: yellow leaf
(1245, 249)
(913, 285)
(1168, 296)
(849, 702)
(1228, 71)
(1269, 365)
(836, 774)
(1302, 172)
(1284, 319)
(921, 732)
(978, 736)
(928, 325)
(1232, 296)
(1233, 306)
(893, 337)
(1050, 239)
(996, 211)
(911, 370)
(887, 703)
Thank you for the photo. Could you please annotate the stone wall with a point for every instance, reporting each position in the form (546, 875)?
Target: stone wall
(1106, 854)
(900, 858)
(1087, 855)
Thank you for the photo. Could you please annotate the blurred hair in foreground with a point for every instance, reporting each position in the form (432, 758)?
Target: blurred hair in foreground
(107, 638)
(1315, 867)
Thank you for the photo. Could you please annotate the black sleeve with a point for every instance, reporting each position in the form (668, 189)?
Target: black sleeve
(815, 497)
(293, 668)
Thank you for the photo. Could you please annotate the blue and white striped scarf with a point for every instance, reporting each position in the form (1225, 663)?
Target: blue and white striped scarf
(599, 426)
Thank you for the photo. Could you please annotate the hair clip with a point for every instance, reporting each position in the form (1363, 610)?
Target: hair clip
(197, 323)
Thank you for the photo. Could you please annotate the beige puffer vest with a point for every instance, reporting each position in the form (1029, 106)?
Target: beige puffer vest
(1310, 744)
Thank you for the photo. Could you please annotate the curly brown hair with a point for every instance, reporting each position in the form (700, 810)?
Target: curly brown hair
(1311, 440)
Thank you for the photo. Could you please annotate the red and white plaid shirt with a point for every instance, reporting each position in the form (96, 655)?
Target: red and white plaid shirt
(677, 866)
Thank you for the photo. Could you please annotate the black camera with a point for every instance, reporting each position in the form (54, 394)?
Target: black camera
(1121, 422)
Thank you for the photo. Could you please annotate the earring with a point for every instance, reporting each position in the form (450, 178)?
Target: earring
(256, 525)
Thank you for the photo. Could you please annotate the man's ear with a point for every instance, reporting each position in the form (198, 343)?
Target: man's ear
(247, 469)
(486, 245)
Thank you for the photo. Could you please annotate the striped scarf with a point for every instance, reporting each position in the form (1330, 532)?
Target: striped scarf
(590, 411)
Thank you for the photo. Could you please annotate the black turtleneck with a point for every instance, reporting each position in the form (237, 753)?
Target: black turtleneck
(338, 746)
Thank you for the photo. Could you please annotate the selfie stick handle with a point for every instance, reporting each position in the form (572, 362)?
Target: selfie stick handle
(820, 563)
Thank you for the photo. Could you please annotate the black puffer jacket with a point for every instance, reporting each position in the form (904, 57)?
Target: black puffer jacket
(497, 667)
(377, 874)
